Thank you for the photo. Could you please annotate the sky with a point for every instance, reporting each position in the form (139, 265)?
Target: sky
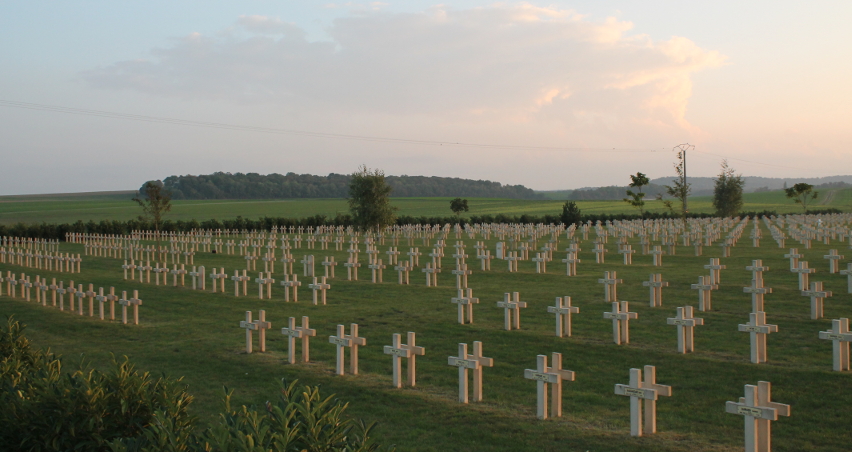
(101, 95)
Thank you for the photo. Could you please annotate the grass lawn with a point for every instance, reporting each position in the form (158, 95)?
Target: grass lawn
(196, 335)
(68, 208)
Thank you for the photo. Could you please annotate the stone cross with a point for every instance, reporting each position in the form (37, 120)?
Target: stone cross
(485, 260)
(342, 340)
(474, 362)
(261, 325)
(377, 268)
(461, 272)
(294, 283)
(132, 267)
(328, 264)
(833, 261)
(655, 284)
(431, 275)
(178, 271)
(818, 297)
(287, 260)
(125, 302)
(610, 282)
(699, 250)
(627, 251)
(757, 292)
(715, 270)
(307, 265)
(757, 268)
(639, 392)
(686, 323)
(803, 272)
(794, 257)
(398, 350)
(563, 310)
(146, 277)
(294, 332)
(217, 277)
(414, 256)
(237, 279)
(264, 282)
(848, 274)
(403, 271)
(553, 376)
(600, 252)
(571, 264)
(320, 287)
(657, 252)
(512, 258)
(351, 265)
(840, 336)
(101, 300)
(511, 305)
(112, 298)
(465, 301)
(705, 291)
(540, 263)
(759, 411)
(620, 316)
(758, 328)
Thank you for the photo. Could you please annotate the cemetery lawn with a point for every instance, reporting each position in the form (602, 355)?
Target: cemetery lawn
(196, 335)
(69, 208)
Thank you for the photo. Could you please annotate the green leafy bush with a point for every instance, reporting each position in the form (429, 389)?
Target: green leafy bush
(124, 410)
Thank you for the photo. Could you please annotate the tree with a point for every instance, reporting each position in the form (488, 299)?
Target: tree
(570, 214)
(637, 199)
(728, 192)
(458, 206)
(802, 193)
(155, 201)
(679, 189)
(369, 200)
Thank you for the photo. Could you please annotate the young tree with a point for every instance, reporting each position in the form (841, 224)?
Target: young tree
(637, 199)
(802, 193)
(458, 206)
(679, 189)
(570, 214)
(728, 192)
(155, 201)
(369, 200)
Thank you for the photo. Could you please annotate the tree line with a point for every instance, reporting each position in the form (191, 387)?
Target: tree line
(222, 185)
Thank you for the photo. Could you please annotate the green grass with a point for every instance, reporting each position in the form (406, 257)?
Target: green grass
(196, 335)
(69, 208)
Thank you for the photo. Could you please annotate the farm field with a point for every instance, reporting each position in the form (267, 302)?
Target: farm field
(69, 208)
(195, 334)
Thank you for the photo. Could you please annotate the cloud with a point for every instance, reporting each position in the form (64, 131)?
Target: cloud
(512, 64)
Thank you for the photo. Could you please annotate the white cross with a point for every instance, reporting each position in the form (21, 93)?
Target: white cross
(758, 328)
(431, 275)
(294, 332)
(794, 257)
(620, 316)
(563, 310)
(377, 270)
(125, 302)
(655, 284)
(320, 287)
(294, 283)
(759, 411)
(705, 291)
(639, 391)
(686, 323)
(474, 362)
(715, 270)
(342, 340)
(818, 297)
(757, 292)
(465, 301)
(610, 282)
(803, 272)
(511, 305)
(553, 376)
(398, 350)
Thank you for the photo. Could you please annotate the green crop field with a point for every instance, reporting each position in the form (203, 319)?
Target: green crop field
(69, 208)
(195, 334)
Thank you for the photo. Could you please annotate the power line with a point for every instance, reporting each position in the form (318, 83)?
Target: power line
(224, 126)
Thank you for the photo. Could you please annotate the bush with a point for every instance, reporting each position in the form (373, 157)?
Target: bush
(44, 408)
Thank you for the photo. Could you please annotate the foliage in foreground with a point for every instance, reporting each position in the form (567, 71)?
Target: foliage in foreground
(123, 410)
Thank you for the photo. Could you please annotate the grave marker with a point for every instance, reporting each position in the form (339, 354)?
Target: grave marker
(294, 332)
(553, 376)
(342, 340)
(398, 350)
(759, 411)
(686, 323)
(563, 310)
(758, 329)
(474, 362)
(639, 392)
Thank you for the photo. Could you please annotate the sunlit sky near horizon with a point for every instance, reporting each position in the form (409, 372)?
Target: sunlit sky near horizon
(551, 95)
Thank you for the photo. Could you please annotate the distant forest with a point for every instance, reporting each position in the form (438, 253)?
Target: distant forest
(277, 186)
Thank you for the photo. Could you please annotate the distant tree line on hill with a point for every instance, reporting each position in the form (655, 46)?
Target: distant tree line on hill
(58, 231)
(291, 185)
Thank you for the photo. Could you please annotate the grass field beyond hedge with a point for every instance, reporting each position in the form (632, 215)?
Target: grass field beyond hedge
(196, 335)
(69, 208)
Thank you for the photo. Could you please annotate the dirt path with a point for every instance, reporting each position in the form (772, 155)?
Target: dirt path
(826, 200)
